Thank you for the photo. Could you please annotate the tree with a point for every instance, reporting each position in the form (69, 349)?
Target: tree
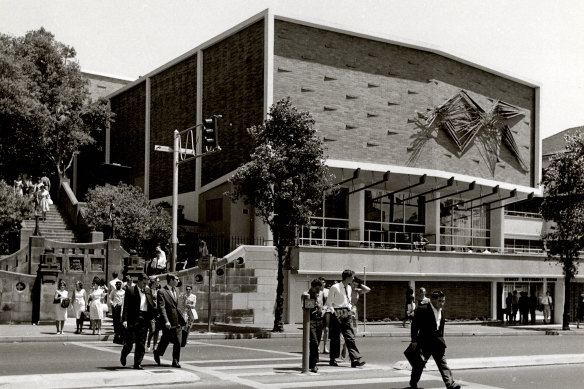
(135, 221)
(46, 116)
(284, 180)
(13, 210)
(563, 204)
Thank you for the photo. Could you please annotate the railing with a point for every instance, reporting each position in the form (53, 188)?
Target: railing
(529, 215)
(461, 237)
(334, 232)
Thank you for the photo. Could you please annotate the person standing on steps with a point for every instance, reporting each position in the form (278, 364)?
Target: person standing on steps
(136, 314)
(172, 318)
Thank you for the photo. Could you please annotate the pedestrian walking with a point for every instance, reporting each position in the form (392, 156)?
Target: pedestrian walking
(508, 307)
(316, 323)
(158, 264)
(116, 299)
(357, 289)
(514, 306)
(44, 201)
(46, 182)
(155, 325)
(421, 298)
(137, 312)
(95, 308)
(189, 310)
(173, 321)
(339, 300)
(61, 302)
(79, 305)
(326, 314)
(533, 301)
(523, 308)
(427, 335)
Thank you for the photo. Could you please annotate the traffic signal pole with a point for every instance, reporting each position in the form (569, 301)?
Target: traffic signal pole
(209, 140)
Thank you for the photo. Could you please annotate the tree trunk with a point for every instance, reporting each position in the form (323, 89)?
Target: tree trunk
(279, 311)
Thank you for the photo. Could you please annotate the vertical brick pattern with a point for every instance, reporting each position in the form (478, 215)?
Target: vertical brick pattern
(173, 107)
(464, 300)
(359, 90)
(127, 132)
(233, 86)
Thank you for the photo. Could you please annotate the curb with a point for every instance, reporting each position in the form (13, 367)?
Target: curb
(273, 335)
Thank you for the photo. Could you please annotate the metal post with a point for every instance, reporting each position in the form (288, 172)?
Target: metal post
(174, 201)
(305, 336)
(365, 300)
(209, 314)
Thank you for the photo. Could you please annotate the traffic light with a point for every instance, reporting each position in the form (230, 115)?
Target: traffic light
(199, 278)
(210, 128)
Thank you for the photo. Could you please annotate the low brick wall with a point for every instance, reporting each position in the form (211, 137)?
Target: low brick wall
(16, 302)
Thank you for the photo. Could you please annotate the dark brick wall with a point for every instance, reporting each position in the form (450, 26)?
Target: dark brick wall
(364, 94)
(233, 86)
(173, 107)
(127, 132)
(464, 300)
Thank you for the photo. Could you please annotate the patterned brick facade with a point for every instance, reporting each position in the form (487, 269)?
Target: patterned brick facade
(233, 86)
(173, 106)
(365, 96)
(127, 132)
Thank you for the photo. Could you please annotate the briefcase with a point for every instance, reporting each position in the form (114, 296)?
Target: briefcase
(414, 357)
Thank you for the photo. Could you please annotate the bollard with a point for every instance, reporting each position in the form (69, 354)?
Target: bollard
(307, 305)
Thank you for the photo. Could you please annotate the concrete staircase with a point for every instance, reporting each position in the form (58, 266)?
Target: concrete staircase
(54, 228)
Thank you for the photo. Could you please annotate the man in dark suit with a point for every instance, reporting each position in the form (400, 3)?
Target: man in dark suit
(136, 315)
(172, 320)
(428, 338)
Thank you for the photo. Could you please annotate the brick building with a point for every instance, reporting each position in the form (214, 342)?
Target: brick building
(421, 140)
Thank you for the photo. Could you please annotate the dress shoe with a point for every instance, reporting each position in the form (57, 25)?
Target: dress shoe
(314, 369)
(454, 387)
(156, 357)
(176, 364)
(138, 367)
(358, 363)
(333, 363)
(123, 360)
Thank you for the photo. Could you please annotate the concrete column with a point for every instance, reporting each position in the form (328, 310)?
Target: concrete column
(432, 226)
(262, 230)
(497, 227)
(558, 301)
(493, 299)
(357, 216)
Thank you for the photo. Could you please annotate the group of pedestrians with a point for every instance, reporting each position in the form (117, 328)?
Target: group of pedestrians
(337, 306)
(527, 305)
(37, 192)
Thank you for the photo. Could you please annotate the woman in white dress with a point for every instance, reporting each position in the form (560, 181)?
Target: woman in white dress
(79, 305)
(189, 312)
(95, 309)
(44, 203)
(60, 311)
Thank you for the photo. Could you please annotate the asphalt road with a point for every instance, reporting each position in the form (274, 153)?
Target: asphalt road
(273, 363)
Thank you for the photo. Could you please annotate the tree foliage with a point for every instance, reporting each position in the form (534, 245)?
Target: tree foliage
(563, 205)
(284, 180)
(138, 224)
(46, 116)
(13, 210)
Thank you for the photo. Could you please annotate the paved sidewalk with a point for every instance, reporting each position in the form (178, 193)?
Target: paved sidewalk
(47, 333)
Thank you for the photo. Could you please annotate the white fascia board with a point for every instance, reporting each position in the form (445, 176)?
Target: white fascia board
(374, 167)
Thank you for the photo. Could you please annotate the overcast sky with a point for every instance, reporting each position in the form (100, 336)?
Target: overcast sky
(537, 40)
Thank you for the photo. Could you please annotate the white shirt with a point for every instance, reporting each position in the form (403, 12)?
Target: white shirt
(339, 296)
(113, 283)
(437, 315)
(117, 297)
(143, 304)
(161, 263)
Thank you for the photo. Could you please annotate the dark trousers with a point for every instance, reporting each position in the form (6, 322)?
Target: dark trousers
(532, 314)
(117, 318)
(174, 336)
(136, 334)
(315, 335)
(440, 359)
(343, 327)
(514, 309)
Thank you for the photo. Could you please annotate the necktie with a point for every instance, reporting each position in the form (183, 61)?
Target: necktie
(174, 293)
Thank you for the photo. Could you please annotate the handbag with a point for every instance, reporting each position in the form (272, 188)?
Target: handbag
(65, 302)
(49, 200)
(414, 356)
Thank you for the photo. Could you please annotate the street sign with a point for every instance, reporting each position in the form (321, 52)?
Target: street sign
(168, 149)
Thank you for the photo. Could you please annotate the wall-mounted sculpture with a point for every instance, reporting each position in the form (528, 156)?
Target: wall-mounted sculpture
(466, 123)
